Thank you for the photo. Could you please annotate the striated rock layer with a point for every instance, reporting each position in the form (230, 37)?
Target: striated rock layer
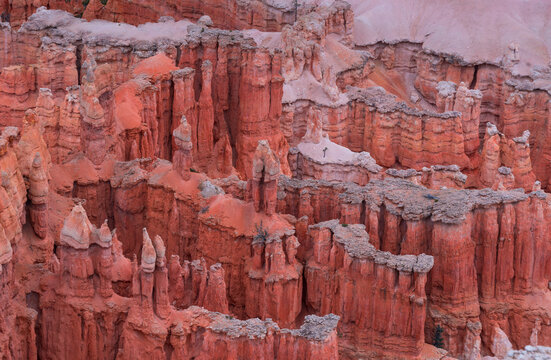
(274, 180)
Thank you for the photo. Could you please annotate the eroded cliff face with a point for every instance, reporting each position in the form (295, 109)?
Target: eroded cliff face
(264, 180)
(344, 259)
(256, 14)
(472, 234)
(121, 308)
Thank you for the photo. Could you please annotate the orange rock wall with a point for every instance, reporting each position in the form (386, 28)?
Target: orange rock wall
(343, 265)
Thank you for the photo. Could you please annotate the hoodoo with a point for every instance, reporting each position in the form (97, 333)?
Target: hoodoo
(275, 179)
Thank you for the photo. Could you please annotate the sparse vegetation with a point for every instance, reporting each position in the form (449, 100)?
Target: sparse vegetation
(438, 340)
(261, 233)
(5, 17)
(84, 4)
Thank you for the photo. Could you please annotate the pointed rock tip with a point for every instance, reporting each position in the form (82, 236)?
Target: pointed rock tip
(76, 229)
(148, 253)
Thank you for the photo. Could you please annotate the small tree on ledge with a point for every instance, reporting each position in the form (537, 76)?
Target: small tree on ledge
(261, 233)
(438, 340)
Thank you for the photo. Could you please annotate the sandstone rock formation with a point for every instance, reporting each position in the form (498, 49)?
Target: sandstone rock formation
(266, 179)
(266, 170)
(344, 259)
(183, 156)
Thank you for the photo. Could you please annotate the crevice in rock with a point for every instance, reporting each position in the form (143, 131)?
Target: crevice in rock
(403, 234)
(473, 83)
(178, 55)
(381, 227)
(78, 62)
(363, 211)
(168, 349)
(170, 125)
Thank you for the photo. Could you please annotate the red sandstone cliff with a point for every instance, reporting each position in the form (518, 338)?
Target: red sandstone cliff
(292, 190)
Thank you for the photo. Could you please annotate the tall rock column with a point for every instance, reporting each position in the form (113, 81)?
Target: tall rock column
(451, 97)
(274, 283)
(143, 278)
(223, 153)
(215, 291)
(192, 283)
(516, 155)
(160, 295)
(221, 89)
(104, 262)
(205, 126)
(30, 143)
(491, 156)
(48, 118)
(69, 140)
(266, 171)
(76, 266)
(454, 289)
(184, 102)
(38, 194)
(94, 135)
(183, 156)
(467, 102)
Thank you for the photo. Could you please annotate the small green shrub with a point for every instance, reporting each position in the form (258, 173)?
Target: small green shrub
(438, 340)
(261, 233)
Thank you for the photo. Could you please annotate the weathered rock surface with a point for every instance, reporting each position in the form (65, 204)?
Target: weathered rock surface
(268, 179)
(343, 265)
